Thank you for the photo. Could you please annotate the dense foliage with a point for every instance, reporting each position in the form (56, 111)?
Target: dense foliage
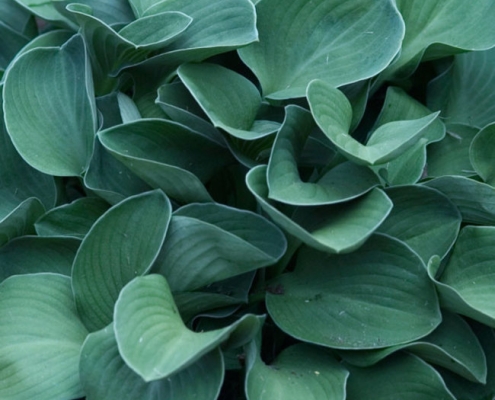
(237, 199)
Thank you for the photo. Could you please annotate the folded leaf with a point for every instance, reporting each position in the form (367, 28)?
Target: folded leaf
(481, 156)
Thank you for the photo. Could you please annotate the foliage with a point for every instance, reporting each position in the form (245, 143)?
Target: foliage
(247, 199)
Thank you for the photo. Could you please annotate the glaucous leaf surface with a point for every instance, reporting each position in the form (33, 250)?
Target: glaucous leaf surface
(481, 156)
(40, 338)
(289, 55)
(20, 221)
(50, 91)
(105, 375)
(122, 244)
(377, 296)
(153, 340)
(210, 242)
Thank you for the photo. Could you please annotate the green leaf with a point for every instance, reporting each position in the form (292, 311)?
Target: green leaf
(333, 114)
(32, 254)
(453, 345)
(465, 91)
(153, 340)
(403, 376)
(434, 232)
(229, 99)
(121, 245)
(210, 242)
(74, 219)
(409, 167)
(40, 338)
(299, 372)
(167, 155)
(481, 156)
(110, 51)
(111, 179)
(284, 181)
(378, 296)
(47, 10)
(475, 200)
(439, 28)
(451, 155)
(49, 91)
(470, 273)
(289, 55)
(105, 376)
(335, 228)
(20, 221)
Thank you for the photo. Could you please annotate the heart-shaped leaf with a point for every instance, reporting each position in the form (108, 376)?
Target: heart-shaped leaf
(465, 91)
(289, 55)
(40, 338)
(403, 376)
(333, 114)
(32, 254)
(440, 28)
(105, 376)
(50, 91)
(121, 245)
(284, 181)
(453, 345)
(210, 242)
(74, 219)
(378, 296)
(475, 200)
(229, 99)
(337, 228)
(153, 340)
(435, 232)
(167, 156)
(299, 372)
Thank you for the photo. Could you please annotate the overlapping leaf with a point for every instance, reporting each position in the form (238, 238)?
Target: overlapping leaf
(167, 156)
(20, 221)
(207, 243)
(336, 228)
(377, 296)
(49, 91)
(40, 338)
(289, 54)
(333, 114)
(481, 156)
(153, 340)
(105, 376)
(229, 99)
(121, 245)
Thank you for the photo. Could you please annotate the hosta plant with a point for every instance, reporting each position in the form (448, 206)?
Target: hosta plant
(241, 199)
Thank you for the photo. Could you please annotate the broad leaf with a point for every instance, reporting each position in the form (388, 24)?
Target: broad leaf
(423, 218)
(481, 156)
(47, 10)
(74, 219)
(336, 228)
(289, 55)
(20, 221)
(32, 254)
(475, 200)
(105, 376)
(378, 296)
(121, 245)
(299, 372)
(284, 181)
(40, 338)
(465, 92)
(439, 28)
(49, 91)
(207, 243)
(403, 376)
(167, 155)
(229, 99)
(453, 345)
(153, 340)
(333, 114)
(470, 272)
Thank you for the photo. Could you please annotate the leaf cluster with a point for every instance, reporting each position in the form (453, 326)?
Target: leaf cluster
(253, 199)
